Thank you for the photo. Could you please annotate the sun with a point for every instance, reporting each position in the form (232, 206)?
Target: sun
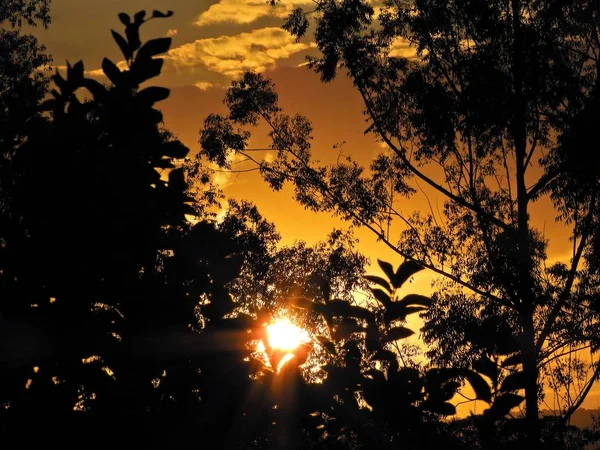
(284, 335)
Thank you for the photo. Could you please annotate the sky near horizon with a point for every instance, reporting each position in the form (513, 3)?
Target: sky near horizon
(215, 41)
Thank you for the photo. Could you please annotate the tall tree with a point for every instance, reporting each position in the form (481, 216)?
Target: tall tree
(493, 110)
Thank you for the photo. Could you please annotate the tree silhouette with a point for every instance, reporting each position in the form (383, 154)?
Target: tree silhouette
(120, 310)
(23, 83)
(105, 285)
(491, 111)
(366, 393)
(271, 274)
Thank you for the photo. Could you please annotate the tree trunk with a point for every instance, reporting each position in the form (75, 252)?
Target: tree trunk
(525, 301)
(530, 369)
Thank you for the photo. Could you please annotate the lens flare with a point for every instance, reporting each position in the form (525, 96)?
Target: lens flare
(284, 335)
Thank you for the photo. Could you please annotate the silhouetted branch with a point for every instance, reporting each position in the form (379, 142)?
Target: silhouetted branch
(402, 155)
(566, 292)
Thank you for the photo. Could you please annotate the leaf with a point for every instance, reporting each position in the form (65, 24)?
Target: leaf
(111, 71)
(164, 164)
(379, 281)
(505, 403)
(60, 82)
(387, 269)
(447, 391)
(397, 333)
(133, 36)
(514, 382)
(415, 309)
(384, 355)
(158, 14)
(373, 337)
(174, 149)
(382, 296)
(76, 73)
(416, 299)
(96, 88)
(359, 312)
(479, 385)
(138, 18)
(346, 328)
(406, 270)
(152, 94)
(487, 367)
(124, 18)
(329, 346)
(177, 180)
(144, 69)
(154, 47)
(395, 311)
(154, 116)
(513, 360)
(443, 408)
(123, 45)
(338, 307)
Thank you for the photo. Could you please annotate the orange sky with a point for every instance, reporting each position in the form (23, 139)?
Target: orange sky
(213, 42)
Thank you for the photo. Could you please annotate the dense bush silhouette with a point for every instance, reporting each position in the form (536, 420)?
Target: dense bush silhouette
(101, 266)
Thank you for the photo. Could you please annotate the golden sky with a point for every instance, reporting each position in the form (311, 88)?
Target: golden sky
(215, 41)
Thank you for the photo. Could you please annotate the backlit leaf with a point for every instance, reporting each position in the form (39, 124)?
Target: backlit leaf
(138, 18)
(384, 355)
(111, 71)
(397, 333)
(159, 14)
(175, 149)
(513, 360)
(124, 18)
(152, 94)
(479, 385)
(513, 382)
(416, 299)
(487, 367)
(504, 404)
(406, 270)
(379, 281)
(154, 47)
(382, 296)
(123, 45)
(387, 269)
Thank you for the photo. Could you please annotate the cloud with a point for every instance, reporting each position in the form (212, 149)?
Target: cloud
(224, 178)
(172, 32)
(257, 50)
(100, 73)
(401, 47)
(203, 85)
(246, 11)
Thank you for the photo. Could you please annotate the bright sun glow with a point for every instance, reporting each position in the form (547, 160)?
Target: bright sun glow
(285, 336)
